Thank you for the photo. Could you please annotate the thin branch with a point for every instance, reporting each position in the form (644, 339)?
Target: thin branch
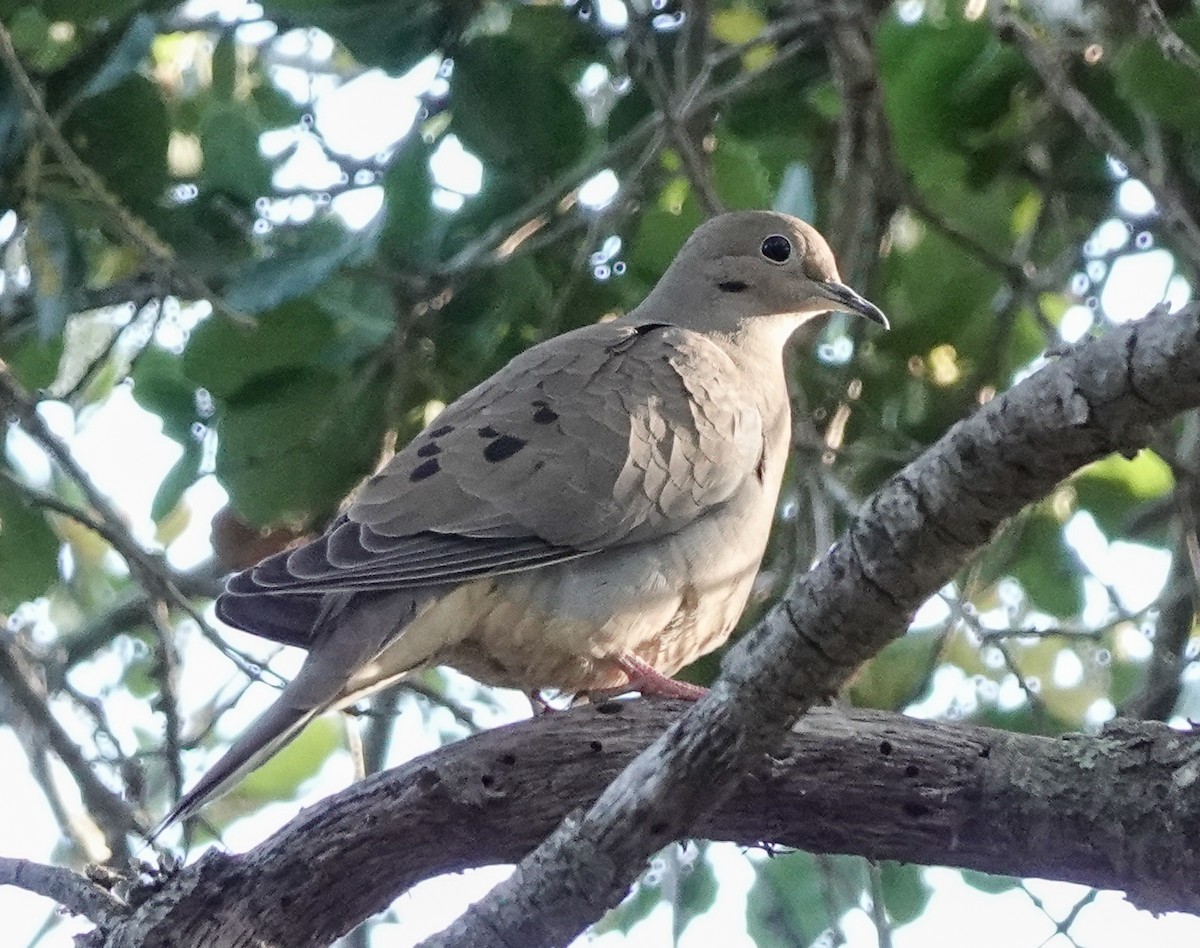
(114, 814)
(1153, 21)
(130, 227)
(149, 570)
(1046, 62)
(69, 889)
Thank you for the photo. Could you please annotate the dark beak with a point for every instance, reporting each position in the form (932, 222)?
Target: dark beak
(850, 302)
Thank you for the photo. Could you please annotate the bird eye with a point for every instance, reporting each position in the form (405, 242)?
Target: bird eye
(777, 248)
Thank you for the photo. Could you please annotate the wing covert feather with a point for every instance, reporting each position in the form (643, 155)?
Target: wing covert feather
(612, 434)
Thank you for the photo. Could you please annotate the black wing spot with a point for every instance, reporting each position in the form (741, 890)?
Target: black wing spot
(422, 471)
(503, 447)
(544, 415)
(429, 450)
(375, 479)
(733, 286)
(488, 432)
(442, 431)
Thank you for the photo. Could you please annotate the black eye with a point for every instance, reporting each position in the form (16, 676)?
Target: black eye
(777, 248)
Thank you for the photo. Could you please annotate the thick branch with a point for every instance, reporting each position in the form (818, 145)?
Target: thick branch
(1113, 811)
(908, 540)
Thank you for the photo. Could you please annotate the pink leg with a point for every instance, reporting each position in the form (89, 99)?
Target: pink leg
(645, 678)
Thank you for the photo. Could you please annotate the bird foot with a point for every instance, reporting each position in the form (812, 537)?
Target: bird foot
(650, 682)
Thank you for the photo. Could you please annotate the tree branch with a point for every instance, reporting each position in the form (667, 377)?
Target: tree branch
(69, 889)
(1100, 132)
(131, 228)
(1114, 811)
(908, 540)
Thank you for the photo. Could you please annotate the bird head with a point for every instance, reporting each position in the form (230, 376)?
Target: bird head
(752, 266)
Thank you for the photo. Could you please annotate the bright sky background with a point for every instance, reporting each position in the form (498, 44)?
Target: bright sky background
(123, 449)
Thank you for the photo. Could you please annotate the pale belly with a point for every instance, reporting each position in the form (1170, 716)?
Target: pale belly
(564, 626)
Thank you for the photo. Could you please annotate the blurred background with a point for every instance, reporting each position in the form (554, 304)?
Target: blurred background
(246, 247)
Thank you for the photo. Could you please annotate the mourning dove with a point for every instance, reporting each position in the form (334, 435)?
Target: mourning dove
(589, 518)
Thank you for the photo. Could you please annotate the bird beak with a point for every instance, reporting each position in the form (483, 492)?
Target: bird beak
(850, 302)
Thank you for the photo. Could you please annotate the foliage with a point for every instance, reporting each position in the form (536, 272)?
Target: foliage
(281, 336)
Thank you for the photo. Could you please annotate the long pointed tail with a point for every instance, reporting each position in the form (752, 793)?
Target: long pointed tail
(355, 629)
(277, 726)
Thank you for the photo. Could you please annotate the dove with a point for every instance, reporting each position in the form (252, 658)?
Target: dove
(589, 519)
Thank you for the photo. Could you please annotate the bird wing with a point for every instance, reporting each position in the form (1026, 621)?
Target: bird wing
(612, 434)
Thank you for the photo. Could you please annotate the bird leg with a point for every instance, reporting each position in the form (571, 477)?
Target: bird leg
(650, 682)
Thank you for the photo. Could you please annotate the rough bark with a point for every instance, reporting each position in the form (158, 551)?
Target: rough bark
(1117, 810)
(909, 538)
(905, 543)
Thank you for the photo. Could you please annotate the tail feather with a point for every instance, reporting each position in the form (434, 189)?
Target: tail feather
(348, 631)
(276, 727)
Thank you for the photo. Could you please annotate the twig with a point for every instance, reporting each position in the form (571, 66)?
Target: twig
(1153, 21)
(480, 251)
(69, 889)
(130, 227)
(116, 817)
(1099, 130)
(149, 570)
(879, 915)
(657, 84)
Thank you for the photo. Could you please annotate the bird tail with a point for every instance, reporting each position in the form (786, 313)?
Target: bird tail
(350, 630)
(277, 726)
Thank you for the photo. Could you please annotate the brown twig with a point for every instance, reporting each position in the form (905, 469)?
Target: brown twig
(115, 816)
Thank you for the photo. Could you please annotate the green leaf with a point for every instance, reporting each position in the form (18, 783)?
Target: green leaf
(125, 58)
(1113, 489)
(660, 233)
(123, 136)
(363, 310)
(554, 34)
(697, 890)
(794, 900)
(487, 322)
(282, 776)
(224, 357)
(182, 475)
(160, 387)
(408, 212)
(84, 11)
(289, 451)
(1047, 569)
(636, 907)
(891, 679)
(513, 112)
(905, 891)
(56, 263)
(392, 34)
(740, 176)
(295, 270)
(34, 362)
(986, 882)
(233, 163)
(224, 67)
(1167, 89)
(28, 551)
